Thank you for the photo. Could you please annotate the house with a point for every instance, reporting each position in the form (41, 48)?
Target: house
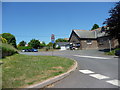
(83, 39)
(105, 41)
(63, 45)
(92, 39)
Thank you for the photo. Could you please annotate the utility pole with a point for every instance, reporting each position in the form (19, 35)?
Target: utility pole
(110, 44)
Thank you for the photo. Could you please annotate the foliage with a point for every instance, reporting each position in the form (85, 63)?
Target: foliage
(95, 26)
(113, 22)
(54, 45)
(24, 47)
(22, 43)
(22, 70)
(61, 40)
(10, 39)
(3, 40)
(112, 52)
(50, 44)
(42, 44)
(34, 43)
(58, 47)
(7, 50)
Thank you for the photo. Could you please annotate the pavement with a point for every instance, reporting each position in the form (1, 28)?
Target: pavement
(95, 70)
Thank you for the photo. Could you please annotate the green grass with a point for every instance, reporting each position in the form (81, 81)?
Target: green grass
(22, 70)
(112, 52)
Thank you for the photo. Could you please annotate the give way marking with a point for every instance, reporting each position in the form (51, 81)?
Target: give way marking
(91, 57)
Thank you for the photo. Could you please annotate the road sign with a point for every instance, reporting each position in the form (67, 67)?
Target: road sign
(53, 38)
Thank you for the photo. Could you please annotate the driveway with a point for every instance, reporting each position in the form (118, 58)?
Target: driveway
(95, 70)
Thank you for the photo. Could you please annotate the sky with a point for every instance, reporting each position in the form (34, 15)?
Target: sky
(38, 20)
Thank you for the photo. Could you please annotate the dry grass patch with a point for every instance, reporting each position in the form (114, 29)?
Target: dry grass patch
(23, 70)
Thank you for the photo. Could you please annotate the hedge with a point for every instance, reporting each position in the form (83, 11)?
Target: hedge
(7, 50)
(24, 47)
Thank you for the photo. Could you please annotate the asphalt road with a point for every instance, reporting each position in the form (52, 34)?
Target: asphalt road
(95, 70)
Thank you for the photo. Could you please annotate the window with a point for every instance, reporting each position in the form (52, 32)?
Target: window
(89, 41)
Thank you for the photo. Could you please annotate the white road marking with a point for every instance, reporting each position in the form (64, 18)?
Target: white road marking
(91, 57)
(98, 76)
(86, 71)
(114, 82)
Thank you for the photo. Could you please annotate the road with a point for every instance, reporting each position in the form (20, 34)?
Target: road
(95, 70)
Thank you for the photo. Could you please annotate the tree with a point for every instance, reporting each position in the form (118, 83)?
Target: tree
(34, 43)
(10, 39)
(42, 44)
(113, 22)
(61, 40)
(95, 26)
(50, 44)
(22, 43)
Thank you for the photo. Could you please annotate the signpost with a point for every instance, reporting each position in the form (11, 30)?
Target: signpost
(52, 41)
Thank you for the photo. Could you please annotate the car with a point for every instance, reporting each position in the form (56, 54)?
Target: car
(34, 50)
(30, 50)
(117, 53)
(25, 50)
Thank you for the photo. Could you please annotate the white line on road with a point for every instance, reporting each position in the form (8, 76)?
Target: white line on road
(114, 82)
(86, 71)
(91, 57)
(99, 76)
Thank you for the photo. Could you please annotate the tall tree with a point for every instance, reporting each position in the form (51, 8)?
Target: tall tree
(10, 39)
(113, 22)
(95, 26)
(34, 43)
(22, 43)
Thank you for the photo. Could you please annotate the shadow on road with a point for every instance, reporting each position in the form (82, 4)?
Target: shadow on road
(105, 50)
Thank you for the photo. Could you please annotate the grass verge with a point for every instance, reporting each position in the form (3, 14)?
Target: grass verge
(7, 50)
(112, 52)
(22, 70)
(43, 49)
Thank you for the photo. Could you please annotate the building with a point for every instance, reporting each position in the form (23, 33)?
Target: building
(63, 45)
(92, 39)
(83, 39)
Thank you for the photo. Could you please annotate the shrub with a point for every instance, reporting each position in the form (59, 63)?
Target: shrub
(3, 40)
(58, 47)
(7, 49)
(112, 52)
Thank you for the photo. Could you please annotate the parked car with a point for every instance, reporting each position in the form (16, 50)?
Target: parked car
(34, 50)
(117, 53)
(30, 50)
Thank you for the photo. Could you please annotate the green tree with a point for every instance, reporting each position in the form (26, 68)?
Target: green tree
(113, 22)
(42, 44)
(10, 39)
(22, 43)
(61, 40)
(50, 44)
(95, 26)
(34, 43)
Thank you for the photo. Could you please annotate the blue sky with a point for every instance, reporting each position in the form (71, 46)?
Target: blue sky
(28, 20)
